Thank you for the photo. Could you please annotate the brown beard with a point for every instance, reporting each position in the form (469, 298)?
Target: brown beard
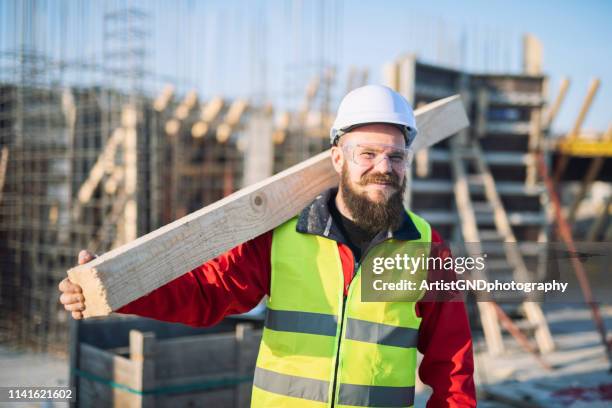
(369, 215)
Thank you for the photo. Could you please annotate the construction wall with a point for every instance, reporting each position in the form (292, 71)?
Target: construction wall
(53, 137)
(505, 113)
(90, 167)
(86, 162)
(94, 168)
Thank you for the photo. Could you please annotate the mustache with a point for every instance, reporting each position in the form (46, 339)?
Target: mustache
(381, 178)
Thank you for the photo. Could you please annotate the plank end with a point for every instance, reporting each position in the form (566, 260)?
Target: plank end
(96, 299)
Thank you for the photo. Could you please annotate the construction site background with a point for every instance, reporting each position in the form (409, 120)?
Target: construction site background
(100, 142)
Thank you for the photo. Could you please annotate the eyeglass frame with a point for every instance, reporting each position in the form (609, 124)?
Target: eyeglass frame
(408, 155)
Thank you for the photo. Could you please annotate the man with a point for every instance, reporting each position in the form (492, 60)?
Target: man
(321, 345)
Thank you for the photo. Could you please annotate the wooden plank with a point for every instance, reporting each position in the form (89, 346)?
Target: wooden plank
(130, 156)
(103, 364)
(247, 346)
(534, 144)
(584, 109)
(195, 355)
(3, 166)
(141, 266)
(142, 345)
(573, 134)
(407, 77)
(532, 55)
(513, 255)
(164, 98)
(422, 163)
(390, 76)
(551, 114)
(469, 229)
(106, 365)
(205, 355)
(532, 310)
(143, 349)
(231, 120)
(259, 158)
(105, 160)
(100, 363)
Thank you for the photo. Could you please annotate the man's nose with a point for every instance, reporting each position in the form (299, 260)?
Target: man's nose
(384, 165)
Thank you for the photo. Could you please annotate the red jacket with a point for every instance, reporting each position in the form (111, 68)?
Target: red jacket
(237, 280)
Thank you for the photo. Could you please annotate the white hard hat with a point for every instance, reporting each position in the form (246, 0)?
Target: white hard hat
(374, 104)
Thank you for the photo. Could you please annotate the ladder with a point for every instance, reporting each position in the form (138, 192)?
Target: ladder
(477, 216)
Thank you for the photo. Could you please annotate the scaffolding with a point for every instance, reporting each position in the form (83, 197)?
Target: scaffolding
(96, 151)
(55, 120)
(480, 188)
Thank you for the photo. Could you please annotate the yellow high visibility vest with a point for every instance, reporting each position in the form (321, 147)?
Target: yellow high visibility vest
(320, 348)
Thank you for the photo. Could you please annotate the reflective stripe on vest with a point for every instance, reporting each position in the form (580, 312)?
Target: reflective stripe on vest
(379, 333)
(301, 322)
(325, 325)
(291, 385)
(375, 396)
(307, 333)
(317, 390)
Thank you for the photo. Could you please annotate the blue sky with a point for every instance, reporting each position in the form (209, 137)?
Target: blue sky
(576, 38)
(575, 35)
(269, 48)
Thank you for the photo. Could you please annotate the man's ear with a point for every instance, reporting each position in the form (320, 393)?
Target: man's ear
(337, 156)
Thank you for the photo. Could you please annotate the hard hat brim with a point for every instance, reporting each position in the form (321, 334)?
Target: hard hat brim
(408, 132)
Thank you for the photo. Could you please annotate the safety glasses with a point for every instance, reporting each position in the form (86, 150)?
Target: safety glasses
(370, 154)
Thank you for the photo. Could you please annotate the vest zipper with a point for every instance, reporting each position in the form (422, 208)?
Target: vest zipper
(356, 266)
(333, 396)
(344, 299)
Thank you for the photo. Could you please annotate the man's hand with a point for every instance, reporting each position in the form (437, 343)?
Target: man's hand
(72, 295)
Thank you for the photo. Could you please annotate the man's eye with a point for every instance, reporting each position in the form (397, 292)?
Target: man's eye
(367, 155)
(396, 158)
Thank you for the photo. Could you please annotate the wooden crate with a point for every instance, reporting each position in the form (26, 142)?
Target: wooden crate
(157, 364)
